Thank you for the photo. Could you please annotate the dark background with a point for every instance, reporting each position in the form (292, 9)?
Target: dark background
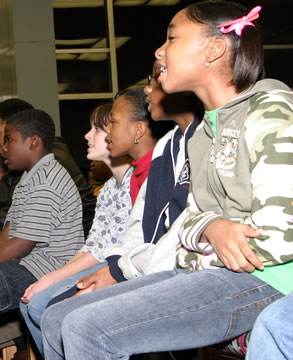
(146, 26)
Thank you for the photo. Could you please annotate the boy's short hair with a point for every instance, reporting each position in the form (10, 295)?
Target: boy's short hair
(34, 122)
(10, 107)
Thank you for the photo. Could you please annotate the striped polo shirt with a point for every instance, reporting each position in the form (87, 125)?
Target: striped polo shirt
(46, 208)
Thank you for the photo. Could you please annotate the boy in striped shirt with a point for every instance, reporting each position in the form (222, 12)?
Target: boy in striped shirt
(43, 228)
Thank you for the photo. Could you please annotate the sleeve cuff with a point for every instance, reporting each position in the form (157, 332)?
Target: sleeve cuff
(114, 268)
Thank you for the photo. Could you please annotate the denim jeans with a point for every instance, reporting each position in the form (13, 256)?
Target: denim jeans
(272, 336)
(14, 279)
(33, 311)
(170, 310)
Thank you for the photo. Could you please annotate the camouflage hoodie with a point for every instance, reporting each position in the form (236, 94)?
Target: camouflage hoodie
(244, 174)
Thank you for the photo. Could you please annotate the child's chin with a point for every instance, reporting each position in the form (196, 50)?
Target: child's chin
(12, 167)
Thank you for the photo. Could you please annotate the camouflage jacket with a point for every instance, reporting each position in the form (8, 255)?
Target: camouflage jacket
(244, 174)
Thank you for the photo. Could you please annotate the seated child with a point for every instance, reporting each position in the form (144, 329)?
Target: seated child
(43, 228)
(140, 133)
(62, 154)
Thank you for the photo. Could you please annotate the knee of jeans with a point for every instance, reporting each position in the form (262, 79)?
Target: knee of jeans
(48, 320)
(35, 310)
(69, 323)
(262, 322)
(22, 308)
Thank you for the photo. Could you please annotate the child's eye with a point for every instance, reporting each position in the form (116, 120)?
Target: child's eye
(170, 37)
(97, 129)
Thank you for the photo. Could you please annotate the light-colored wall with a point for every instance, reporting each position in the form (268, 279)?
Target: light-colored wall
(7, 52)
(29, 65)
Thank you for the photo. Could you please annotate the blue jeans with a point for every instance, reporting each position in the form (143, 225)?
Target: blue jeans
(272, 336)
(33, 311)
(171, 310)
(14, 279)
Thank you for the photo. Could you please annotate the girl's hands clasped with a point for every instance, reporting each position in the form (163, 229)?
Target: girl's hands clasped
(229, 240)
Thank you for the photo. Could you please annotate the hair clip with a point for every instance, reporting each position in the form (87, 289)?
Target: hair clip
(238, 25)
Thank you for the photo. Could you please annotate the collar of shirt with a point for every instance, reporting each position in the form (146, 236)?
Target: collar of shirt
(26, 176)
(143, 163)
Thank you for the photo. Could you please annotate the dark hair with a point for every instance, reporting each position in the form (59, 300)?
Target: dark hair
(12, 106)
(247, 49)
(34, 122)
(101, 116)
(137, 98)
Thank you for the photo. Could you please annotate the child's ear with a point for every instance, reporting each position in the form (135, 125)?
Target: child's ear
(215, 49)
(140, 129)
(35, 142)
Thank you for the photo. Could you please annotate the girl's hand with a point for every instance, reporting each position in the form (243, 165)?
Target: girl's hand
(44, 282)
(95, 281)
(229, 240)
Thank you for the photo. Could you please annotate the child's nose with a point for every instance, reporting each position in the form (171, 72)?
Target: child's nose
(159, 53)
(88, 135)
(147, 89)
(3, 150)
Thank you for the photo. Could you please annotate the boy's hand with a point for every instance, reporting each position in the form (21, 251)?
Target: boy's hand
(230, 244)
(95, 281)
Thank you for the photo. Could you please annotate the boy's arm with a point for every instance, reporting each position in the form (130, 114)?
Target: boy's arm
(4, 233)
(15, 248)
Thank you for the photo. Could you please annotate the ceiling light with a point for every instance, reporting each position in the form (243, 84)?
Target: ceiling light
(162, 2)
(129, 2)
(76, 42)
(66, 56)
(99, 3)
(119, 41)
(77, 3)
(97, 52)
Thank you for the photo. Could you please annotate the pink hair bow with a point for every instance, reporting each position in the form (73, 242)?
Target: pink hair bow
(239, 24)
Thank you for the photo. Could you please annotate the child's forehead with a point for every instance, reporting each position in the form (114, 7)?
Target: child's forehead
(121, 103)
(10, 128)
